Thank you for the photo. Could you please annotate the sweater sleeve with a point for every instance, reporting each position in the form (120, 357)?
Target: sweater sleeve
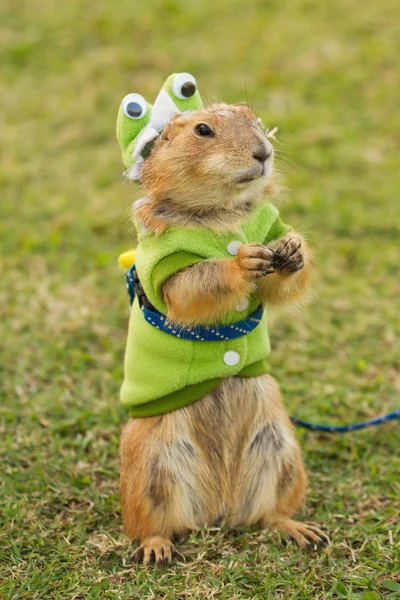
(168, 266)
(277, 230)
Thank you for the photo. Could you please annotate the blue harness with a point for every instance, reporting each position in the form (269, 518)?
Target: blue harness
(201, 333)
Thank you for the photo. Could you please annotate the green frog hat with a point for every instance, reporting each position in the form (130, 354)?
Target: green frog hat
(139, 123)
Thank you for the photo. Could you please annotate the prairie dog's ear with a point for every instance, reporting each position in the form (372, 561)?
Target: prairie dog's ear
(172, 128)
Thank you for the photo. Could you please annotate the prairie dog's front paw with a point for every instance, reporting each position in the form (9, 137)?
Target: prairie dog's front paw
(255, 260)
(288, 255)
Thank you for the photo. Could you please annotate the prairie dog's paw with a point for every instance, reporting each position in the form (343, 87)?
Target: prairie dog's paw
(288, 255)
(306, 535)
(155, 551)
(255, 260)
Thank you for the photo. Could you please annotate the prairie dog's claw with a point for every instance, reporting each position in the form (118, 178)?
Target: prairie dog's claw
(288, 256)
(155, 551)
(255, 260)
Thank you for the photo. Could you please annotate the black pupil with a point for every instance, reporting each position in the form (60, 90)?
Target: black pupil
(203, 129)
(134, 109)
(188, 89)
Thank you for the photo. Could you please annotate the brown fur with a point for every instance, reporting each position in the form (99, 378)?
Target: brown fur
(232, 455)
(209, 290)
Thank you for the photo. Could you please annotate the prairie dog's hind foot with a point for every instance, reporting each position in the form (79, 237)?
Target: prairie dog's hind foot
(155, 550)
(306, 535)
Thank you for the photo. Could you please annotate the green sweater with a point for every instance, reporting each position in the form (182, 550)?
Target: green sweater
(163, 372)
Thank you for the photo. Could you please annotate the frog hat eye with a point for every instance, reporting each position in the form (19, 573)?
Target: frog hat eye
(184, 86)
(134, 106)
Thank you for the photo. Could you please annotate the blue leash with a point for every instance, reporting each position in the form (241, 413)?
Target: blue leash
(344, 428)
(239, 329)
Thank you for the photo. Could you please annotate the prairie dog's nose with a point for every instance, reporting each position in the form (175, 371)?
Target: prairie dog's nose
(261, 154)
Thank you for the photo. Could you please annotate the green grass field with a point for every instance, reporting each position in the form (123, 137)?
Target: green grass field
(328, 75)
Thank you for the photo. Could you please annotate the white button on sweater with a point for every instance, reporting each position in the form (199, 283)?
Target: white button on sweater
(231, 358)
(242, 305)
(233, 247)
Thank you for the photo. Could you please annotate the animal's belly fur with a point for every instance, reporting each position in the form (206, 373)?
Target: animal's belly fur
(225, 457)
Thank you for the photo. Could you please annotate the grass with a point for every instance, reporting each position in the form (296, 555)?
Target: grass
(327, 74)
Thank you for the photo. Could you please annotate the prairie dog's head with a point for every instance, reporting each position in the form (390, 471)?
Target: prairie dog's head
(211, 158)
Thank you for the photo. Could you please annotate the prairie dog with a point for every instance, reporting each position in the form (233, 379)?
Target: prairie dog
(215, 443)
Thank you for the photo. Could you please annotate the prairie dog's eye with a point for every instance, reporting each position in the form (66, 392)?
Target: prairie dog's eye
(134, 106)
(184, 86)
(204, 130)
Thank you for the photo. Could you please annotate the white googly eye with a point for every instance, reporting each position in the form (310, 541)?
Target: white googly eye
(134, 106)
(184, 86)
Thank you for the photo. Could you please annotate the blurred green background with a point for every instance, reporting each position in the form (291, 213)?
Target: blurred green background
(328, 75)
